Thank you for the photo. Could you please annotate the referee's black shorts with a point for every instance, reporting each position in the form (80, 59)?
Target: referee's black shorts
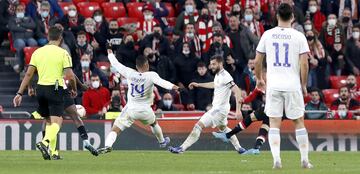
(68, 101)
(51, 101)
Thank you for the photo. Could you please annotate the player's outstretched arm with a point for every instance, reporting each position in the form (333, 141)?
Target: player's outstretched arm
(260, 83)
(304, 69)
(123, 70)
(163, 83)
(239, 100)
(209, 85)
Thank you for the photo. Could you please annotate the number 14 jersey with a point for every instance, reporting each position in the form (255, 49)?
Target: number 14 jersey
(283, 47)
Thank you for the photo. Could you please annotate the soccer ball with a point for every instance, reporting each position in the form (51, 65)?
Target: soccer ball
(81, 110)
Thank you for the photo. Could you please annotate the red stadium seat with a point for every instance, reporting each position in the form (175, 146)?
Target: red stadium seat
(127, 20)
(103, 65)
(171, 9)
(78, 1)
(337, 81)
(307, 98)
(65, 6)
(98, 1)
(28, 51)
(179, 107)
(25, 2)
(113, 10)
(358, 80)
(135, 9)
(330, 95)
(12, 48)
(87, 8)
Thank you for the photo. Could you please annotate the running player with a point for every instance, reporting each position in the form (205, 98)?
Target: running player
(140, 98)
(286, 52)
(223, 85)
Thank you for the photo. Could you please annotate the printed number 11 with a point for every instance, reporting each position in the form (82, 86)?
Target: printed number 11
(277, 61)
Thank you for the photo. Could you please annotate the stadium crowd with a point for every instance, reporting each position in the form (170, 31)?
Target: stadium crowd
(179, 37)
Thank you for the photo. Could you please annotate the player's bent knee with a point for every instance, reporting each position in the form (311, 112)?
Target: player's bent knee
(117, 129)
(153, 124)
(275, 122)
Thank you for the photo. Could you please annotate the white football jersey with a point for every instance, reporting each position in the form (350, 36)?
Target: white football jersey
(222, 90)
(283, 47)
(140, 85)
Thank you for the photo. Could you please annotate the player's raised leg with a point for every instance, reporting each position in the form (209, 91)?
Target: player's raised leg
(233, 139)
(156, 130)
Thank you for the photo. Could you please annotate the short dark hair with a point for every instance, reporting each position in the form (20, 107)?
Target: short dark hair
(218, 58)
(141, 61)
(112, 20)
(285, 12)
(55, 33)
(201, 64)
(357, 25)
(94, 75)
(81, 32)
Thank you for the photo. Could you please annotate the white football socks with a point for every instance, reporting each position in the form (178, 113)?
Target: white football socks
(233, 139)
(156, 130)
(110, 139)
(274, 142)
(192, 138)
(303, 142)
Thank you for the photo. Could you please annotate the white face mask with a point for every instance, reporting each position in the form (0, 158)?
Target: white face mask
(342, 113)
(44, 14)
(307, 27)
(189, 9)
(148, 17)
(190, 35)
(72, 13)
(248, 18)
(312, 9)
(167, 103)
(85, 64)
(20, 15)
(332, 22)
(186, 52)
(95, 84)
(356, 35)
(98, 19)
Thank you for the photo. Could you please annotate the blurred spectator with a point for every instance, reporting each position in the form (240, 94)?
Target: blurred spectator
(351, 6)
(353, 51)
(332, 37)
(308, 26)
(160, 14)
(346, 99)
(243, 41)
(185, 65)
(202, 97)
(330, 7)
(166, 103)
(115, 36)
(190, 37)
(83, 45)
(346, 23)
(126, 52)
(204, 26)
(247, 79)
(252, 24)
(190, 15)
(96, 99)
(43, 22)
(157, 42)
(22, 30)
(101, 29)
(116, 101)
(96, 39)
(298, 13)
(215, 11)
(146, 26)
(73, 21)
(316, 16)
(7, 9)
(235, 11)
(88, 69)
(316, 104)
(342, 113)
(33, 8)
(160, 64)
(216, 28)
(351, 83)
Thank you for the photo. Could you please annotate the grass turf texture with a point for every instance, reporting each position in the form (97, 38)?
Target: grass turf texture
(212, 162)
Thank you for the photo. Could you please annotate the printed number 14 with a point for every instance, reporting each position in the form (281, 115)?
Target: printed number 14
(277, 61)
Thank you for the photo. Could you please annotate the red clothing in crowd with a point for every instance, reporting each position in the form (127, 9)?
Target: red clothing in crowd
(349, 116)
(94, 100)
(318, 20)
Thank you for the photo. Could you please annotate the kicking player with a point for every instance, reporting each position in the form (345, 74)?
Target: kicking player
(140, 98)
(249, 118)
(286, 52)
(223, 85)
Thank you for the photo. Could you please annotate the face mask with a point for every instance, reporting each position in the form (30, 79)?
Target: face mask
(346, 19)
(217, 44)
(167, 103)
(236, 13)
(148, 17)
(356, 35)
(20, 15)
(150, 56)
(113, 30)
(205, 17)
(189, 9)
(190, 35)
(248, 18)
(350, 85)
(95, 84)
(312, 9)
(81, 44)
(44, 14)
(315, 102)
(310, 38)
(72, 13)
(157, 35)
(246, 113)
(342, 113)
(186, 52)
(332, 22)
(307, 27)
(85, 64)
(98, 19)
(88, 28)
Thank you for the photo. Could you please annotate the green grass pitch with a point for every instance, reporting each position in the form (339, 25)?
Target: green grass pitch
(157, 162)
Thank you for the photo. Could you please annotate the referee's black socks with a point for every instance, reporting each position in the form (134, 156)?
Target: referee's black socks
(83, 133)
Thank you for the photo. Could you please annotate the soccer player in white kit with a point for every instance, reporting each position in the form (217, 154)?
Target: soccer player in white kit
(223, 85)
(286, 52)
(140, 98)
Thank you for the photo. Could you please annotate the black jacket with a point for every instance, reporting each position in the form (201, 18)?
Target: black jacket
(164, 44)
(202, 97)
(164, 67)
(185, 68)
(40, 26)
(127, 55)
(74, 29)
